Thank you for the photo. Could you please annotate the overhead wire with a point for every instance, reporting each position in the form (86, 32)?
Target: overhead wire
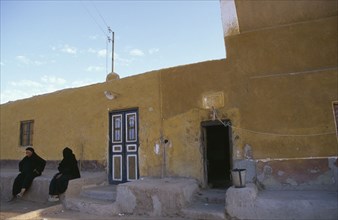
(228, 124)
(90, 14)
(295, 73)
(104, 21)
(108, 40)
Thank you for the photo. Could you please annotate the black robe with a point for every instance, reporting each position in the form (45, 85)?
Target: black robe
(68, 170)
(29, 167)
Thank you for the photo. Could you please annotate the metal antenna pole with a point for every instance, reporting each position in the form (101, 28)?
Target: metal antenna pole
(112, 50)
(112, 55)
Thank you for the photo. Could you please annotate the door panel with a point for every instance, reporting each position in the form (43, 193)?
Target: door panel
(132, 168)
(123, 146)
(117, 167)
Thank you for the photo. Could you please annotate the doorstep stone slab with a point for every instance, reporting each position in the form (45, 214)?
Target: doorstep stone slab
(240, 202)
(155, 196)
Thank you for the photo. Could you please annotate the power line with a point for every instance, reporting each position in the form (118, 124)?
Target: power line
(93, 18)
(109, 39)
(109, 31)
(104, 21)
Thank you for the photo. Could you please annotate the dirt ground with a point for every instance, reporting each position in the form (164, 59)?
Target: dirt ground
(19, 208)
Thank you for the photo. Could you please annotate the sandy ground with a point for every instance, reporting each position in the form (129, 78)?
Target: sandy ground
(22, 209)
(19, 206)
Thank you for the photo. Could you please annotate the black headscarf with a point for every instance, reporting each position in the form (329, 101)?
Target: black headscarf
(68, 165)
(31, 149)
(33, 164)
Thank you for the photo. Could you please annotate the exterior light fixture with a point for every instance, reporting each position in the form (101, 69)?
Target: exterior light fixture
(110, 95)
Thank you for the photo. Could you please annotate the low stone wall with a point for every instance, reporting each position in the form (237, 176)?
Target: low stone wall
(155, 197)
(250, 203)
(39, 190)
(291, 174)
(298, 174)
(6, 184)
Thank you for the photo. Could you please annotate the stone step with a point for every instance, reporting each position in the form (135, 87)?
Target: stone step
(216, 196)
(92, 206)
(201, 210)
(107, 192)
(207, 204)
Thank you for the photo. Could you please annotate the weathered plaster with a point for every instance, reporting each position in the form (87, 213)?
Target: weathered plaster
(229, 17)
(260, 14)
(278, 83)
(301, 173)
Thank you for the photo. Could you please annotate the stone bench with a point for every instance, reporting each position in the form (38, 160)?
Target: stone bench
(39, 189)
(155, 196)
(250, 203)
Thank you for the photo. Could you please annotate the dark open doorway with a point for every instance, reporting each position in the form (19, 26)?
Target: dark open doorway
(217, 153)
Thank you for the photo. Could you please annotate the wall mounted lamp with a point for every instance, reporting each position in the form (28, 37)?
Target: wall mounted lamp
(110, 95)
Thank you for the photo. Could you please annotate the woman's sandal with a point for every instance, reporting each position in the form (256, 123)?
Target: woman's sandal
(19, 195)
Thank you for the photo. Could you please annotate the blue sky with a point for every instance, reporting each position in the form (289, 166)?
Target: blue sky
(51, 45)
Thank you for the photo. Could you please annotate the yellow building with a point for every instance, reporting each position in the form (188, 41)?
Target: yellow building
(267, 108)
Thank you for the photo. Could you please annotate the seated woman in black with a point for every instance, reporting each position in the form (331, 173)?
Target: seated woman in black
(68, 170)
(30, 167)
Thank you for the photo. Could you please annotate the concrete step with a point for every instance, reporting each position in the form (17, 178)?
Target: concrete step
(93, 206)
(200, 210)
(207, 204)
(216, 196)
(97, 200)
(107, 192)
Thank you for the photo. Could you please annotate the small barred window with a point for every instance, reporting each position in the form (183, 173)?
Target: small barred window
(26, 133)
(335, 114)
